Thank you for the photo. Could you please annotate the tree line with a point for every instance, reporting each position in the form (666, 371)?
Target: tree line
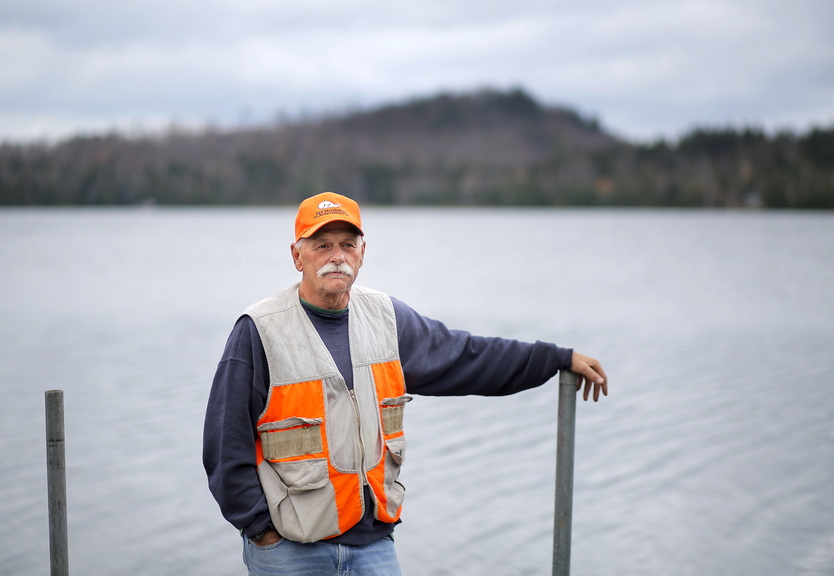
(489, 147)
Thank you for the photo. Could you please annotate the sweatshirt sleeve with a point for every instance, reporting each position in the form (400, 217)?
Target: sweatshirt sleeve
(438, 361)
(238, 396)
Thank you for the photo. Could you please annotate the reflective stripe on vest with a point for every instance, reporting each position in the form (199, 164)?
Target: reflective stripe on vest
(318, 443)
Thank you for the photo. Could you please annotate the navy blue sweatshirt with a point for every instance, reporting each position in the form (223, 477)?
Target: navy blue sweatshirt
(436, 361)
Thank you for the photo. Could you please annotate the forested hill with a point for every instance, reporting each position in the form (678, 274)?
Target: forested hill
(487, 147)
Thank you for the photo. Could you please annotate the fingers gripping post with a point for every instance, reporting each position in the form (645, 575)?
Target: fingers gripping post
(566, 429)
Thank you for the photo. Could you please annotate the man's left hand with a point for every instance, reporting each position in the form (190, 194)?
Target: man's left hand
(590, 374)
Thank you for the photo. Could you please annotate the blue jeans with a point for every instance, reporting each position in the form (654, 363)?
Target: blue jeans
(288, 558)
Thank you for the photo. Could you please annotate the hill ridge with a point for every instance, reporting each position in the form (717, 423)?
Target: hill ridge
(487, 147)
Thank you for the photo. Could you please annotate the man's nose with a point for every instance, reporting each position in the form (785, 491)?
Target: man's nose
(337, 255)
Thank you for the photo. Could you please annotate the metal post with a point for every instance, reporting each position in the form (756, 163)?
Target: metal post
(564, 473)
(56, 479)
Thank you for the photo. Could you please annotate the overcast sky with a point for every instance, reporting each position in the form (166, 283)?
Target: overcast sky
(643, 68)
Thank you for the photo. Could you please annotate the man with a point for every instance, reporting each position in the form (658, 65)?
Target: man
(303, 438)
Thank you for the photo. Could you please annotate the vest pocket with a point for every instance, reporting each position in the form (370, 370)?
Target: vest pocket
(396, 450)
(290, 438)
(394, 491)
(302, 475)
(301, 498)
(393, 410)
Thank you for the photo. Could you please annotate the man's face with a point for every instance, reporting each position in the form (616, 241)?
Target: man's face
(329, 262)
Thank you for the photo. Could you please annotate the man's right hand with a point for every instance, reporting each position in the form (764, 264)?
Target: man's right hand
(270, 537)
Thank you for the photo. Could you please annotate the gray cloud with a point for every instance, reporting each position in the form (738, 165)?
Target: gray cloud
(646, 68)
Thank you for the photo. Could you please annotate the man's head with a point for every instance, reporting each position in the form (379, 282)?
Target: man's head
(321, 209)
(329, 249)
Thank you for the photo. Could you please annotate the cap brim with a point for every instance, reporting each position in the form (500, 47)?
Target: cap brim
(315, 228)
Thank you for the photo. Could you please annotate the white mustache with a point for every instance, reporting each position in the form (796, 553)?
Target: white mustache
(330, 268)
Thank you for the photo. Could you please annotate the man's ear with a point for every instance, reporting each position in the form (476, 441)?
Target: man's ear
(296, 257)
(362, 259)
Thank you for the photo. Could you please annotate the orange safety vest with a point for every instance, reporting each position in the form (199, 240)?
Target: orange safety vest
(318, 443)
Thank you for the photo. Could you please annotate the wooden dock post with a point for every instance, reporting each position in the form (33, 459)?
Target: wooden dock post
(56, 479)
(566, 432)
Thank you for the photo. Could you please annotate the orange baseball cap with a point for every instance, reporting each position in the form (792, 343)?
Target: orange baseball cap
(321, 209)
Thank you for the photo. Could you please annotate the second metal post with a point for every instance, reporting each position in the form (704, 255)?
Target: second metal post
(566, 431)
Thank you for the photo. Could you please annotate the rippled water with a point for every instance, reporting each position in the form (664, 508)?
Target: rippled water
(713, 455)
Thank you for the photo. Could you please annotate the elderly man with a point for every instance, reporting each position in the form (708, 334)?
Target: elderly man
(303, 438)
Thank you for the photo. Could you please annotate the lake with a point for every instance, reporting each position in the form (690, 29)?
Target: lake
(713, 454)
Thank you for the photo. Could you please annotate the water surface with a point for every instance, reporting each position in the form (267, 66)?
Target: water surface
(713, 455)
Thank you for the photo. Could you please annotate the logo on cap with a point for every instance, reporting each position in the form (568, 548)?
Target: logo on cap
(328, 204)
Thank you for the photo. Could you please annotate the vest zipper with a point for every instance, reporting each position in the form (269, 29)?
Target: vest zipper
(362, 472)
